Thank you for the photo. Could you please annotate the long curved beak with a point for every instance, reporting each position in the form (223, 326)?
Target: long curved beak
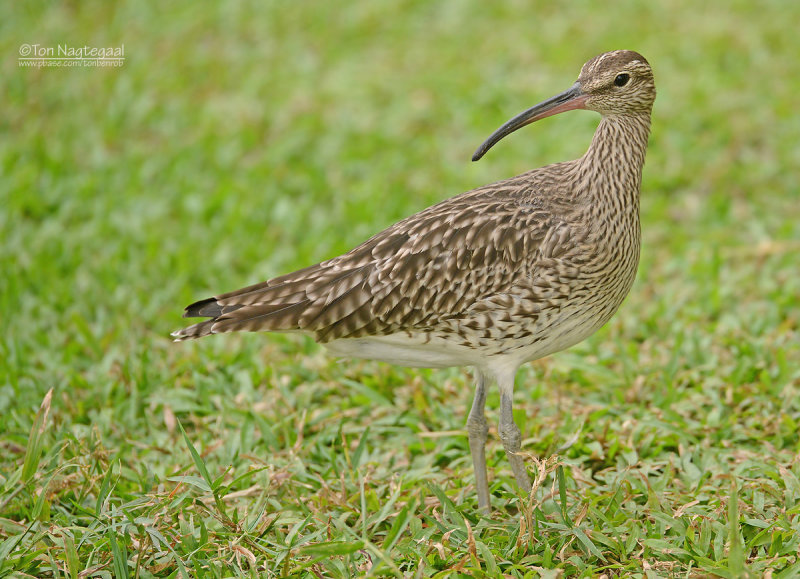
(571, 99)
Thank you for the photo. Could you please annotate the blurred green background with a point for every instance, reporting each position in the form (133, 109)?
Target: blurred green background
(242, 140)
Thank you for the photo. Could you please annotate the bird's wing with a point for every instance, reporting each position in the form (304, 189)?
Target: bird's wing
(432, 266)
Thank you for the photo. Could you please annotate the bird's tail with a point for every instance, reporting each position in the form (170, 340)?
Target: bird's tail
(207, 308)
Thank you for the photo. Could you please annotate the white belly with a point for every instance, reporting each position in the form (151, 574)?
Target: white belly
(414, 351)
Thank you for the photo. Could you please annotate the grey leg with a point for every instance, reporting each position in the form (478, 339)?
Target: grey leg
(510, 434)
(478, 431)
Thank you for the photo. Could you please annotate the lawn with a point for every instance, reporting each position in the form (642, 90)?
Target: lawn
(243, 140)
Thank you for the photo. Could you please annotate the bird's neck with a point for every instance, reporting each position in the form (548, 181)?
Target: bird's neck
(615, 158)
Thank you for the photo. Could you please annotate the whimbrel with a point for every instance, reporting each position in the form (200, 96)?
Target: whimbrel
(492, 278)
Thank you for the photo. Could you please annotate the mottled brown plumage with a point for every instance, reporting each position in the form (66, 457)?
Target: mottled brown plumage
(491, 278)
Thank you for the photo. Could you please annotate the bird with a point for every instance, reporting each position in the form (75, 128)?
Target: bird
(492, 278)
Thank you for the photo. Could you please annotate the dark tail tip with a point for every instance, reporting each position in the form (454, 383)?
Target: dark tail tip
(207, 308)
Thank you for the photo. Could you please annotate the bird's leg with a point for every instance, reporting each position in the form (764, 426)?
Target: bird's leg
(510, 434)
(478, 430)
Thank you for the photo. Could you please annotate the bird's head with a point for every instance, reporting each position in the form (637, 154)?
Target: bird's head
(618, 82)
(613, 83)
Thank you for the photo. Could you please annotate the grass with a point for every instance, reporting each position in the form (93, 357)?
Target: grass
(244, 140)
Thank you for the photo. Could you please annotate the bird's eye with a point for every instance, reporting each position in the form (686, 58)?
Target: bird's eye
(622, 79)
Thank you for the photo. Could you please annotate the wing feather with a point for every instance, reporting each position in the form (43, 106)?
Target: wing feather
(433, 266)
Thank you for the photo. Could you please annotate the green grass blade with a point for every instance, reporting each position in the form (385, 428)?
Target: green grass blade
(196, 458)
(33, 452)
(332, 548)
(194, 481)
(201, 466)
(71, 556)
(398, 526)
(562, 495)
(736, 562)
(106, 486)
(119, 556)
(588, 543)
(362, 446)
